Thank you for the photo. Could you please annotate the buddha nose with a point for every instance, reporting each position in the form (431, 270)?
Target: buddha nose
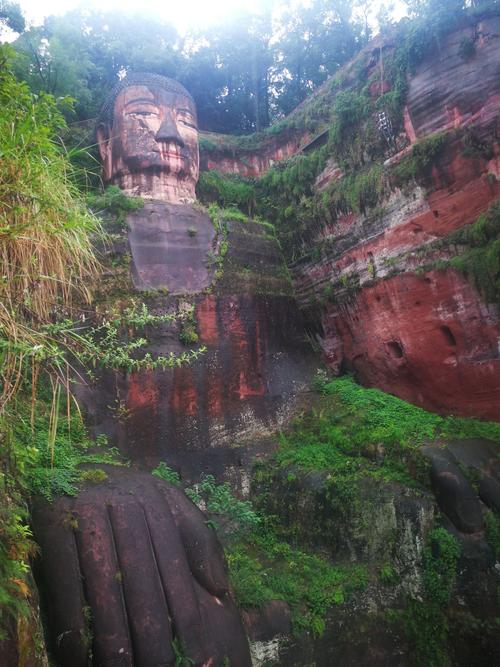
(168, 132)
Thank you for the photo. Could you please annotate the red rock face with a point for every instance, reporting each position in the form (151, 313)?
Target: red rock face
(427, 339)
(256, 365)
(448, 92)
(253, 163)
(237, 388)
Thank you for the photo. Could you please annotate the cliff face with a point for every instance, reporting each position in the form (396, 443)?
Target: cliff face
(389, 307)
(252, 161)
(257, 360)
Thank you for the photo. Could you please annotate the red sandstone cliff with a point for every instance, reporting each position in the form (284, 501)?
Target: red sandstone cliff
(428, 337)
(422, 333)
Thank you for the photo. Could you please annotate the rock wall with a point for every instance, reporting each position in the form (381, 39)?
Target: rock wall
(257, 362)
(225, 155)
(424, 334)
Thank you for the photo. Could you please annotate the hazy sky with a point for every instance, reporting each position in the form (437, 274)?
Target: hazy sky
(183, 14)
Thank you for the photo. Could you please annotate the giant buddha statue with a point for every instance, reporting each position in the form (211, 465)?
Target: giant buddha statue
(148, 140)
(131, 573)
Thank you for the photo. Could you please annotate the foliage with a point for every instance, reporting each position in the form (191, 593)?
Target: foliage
(492, 522)
(263, 568)
(11, 16)
(220, 218)
(54, 463)
(16, 548)
(241, 73)
(113, 344)
(285, 193)
(114, 202)
(244, 73)
(423, 154)
(218, 500)
(440, 565)
(426, 627)
(356, 192)
(358, 432)
(188, 334)
(181, 657)
(391, 419)
(225, 190)
(426, 623)
(164, 472)
(38, 458)
(45, 232)
(350, 109)
(388, 575)
(481, 258)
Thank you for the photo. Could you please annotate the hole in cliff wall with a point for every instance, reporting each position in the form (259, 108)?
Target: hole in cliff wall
(395, 349)
(448, 336)
(436, 213)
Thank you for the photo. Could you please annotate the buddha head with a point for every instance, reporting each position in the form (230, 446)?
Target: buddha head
(148, 138)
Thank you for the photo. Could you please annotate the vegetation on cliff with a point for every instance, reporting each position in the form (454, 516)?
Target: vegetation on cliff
(480, 255)
(345, 112)
(46, 259)
(47, 330)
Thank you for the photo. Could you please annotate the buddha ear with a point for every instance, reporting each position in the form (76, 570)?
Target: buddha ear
(103, 134)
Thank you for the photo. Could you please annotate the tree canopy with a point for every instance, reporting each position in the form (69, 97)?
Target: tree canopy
(243, 74)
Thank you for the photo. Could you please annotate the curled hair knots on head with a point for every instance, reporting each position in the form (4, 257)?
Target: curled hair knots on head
(139, 79)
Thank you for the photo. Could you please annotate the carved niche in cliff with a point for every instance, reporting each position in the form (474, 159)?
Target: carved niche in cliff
(129, 569)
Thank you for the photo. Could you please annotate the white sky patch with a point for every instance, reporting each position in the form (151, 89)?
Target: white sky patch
(182, 14)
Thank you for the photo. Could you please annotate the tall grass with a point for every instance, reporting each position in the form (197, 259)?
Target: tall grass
(46, 256)
(46, 266)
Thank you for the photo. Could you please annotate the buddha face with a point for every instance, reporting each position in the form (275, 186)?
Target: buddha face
(151, 149)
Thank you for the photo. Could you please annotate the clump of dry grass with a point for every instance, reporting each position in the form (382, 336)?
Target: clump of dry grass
(46, 255)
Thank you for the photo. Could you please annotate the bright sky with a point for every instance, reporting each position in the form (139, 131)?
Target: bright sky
(183, 14)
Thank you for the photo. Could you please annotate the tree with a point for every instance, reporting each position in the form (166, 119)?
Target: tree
(11, 16)
(314, 42)
(242, 74)
(82, 54)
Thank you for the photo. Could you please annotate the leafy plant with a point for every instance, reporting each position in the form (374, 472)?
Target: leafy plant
(226, 191)
(440, 565)
(218, 500)
(163, 471)
(492, 534)
(263, 568)
(16, 549)
(423, 155)
(46, 255)
(114, 202)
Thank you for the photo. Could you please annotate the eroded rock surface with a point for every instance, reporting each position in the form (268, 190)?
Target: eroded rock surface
(141, 570)
(170, 246)
(386, 313)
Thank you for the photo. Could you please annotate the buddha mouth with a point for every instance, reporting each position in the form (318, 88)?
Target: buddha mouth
(180, 153)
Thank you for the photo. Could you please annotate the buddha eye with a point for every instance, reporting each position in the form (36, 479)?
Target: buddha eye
(143, 114)
(188, 122)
